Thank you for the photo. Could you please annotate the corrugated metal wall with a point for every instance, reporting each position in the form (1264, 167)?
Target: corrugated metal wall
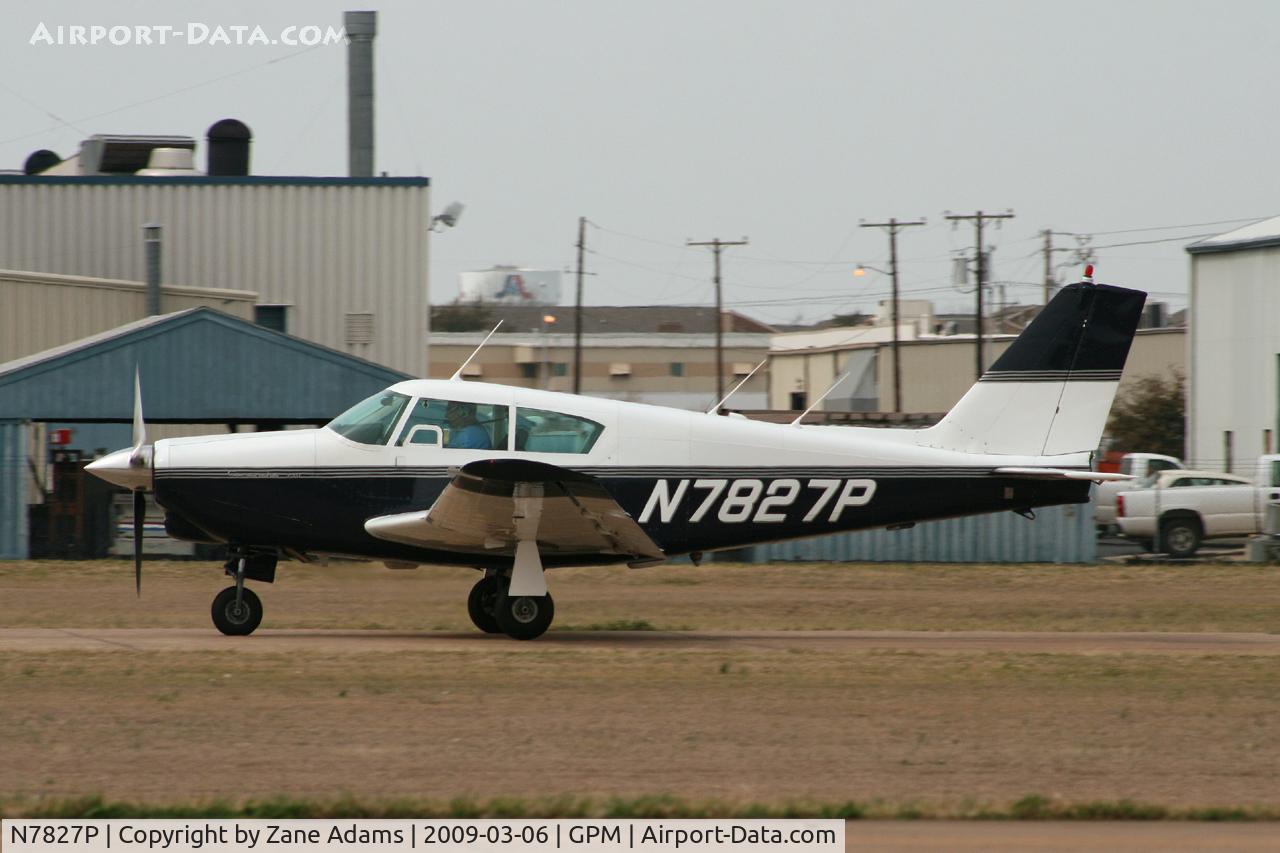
(42, 311)
(1059, 534)
(13, 488)
(1233, 371)
(328, 247)
(199, 366)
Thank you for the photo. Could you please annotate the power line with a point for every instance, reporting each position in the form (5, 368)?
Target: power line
(1162, 240)
(152, 100)
(1164, 227)
(59, 119)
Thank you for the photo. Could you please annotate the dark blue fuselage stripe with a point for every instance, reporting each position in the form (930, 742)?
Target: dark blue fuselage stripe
(327, 515)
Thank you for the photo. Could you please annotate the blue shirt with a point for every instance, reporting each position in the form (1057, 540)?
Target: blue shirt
(472, 436)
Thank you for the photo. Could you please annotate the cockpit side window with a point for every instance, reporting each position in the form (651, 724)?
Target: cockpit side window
(542, 431)
(371, 421)
(456, 424)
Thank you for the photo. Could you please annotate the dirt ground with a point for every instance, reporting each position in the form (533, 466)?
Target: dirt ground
(385, 707)
(854, 597)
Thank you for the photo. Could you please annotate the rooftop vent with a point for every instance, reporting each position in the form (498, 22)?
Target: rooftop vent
(39, 161)
(229, 142)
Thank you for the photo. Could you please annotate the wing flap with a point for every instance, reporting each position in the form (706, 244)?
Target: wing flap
(490, 506)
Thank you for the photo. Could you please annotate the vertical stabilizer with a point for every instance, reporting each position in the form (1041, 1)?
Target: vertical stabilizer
(1049, 393)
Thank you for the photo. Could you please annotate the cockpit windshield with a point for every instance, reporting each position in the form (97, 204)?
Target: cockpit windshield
(371, 421)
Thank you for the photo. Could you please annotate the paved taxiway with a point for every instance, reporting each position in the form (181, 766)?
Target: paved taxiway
(337, 641)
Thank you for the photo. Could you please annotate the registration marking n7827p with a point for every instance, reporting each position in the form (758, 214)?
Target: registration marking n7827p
(749, 499)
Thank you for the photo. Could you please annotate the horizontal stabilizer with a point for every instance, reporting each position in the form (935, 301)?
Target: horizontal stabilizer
(1060, 474)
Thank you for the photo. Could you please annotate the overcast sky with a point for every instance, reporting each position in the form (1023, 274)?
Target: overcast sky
(786, 122)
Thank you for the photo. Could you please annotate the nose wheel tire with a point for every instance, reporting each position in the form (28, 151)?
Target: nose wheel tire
(236, 619)
(482, 603)
(524, 617)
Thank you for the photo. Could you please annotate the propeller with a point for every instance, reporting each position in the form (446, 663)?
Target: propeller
(139, 516)
(139, 457)
(141, 453)
(132, 469)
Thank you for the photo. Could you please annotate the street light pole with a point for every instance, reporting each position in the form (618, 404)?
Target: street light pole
(547, 320)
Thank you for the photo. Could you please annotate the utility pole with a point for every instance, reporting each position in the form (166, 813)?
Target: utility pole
(1083, 255)
(980, 220)
(577, 310)
(893, 225)
(716, 246)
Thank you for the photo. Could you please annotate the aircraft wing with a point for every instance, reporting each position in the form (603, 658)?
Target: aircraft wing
(491, 505)
(1060, 474)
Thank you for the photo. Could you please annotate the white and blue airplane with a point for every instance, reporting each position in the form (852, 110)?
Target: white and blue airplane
(513, 481)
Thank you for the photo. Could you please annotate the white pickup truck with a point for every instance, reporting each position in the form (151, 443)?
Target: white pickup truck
(1183, 508)
(1142, 467)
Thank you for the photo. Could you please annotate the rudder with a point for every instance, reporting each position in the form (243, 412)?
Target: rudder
(1050, 392)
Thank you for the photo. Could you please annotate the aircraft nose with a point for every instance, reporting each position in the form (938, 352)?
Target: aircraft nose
(116, 468)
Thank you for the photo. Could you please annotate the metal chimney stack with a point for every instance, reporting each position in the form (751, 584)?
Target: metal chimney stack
(361, 28)
(151, 244)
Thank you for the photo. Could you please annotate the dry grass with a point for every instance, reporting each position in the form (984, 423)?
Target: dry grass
(893, 730)
(712, 597)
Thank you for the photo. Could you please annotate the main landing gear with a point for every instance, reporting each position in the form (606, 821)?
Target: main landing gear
(237, 610)
(494, 610)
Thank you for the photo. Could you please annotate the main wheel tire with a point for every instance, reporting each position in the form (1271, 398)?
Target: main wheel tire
(524, 617)
(481, 604)
(237, 620)
(1180, 537)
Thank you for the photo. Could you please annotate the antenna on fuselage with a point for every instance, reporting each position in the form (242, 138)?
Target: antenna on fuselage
(458, 373)
(834, 386)
(716, 407)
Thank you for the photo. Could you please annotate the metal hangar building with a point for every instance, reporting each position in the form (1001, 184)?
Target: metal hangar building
(196, 366)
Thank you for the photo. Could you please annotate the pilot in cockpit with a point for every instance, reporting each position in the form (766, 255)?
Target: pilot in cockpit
(464, 430)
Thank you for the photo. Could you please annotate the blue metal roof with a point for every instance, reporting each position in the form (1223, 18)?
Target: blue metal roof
(197, 366)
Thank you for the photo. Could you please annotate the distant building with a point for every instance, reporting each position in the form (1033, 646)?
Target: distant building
(936, 369)
(645, 354)
(1233, 353)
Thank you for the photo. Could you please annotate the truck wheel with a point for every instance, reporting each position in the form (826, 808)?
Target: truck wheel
(1180, 537)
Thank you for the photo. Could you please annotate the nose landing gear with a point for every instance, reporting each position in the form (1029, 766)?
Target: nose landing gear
(237, 610)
